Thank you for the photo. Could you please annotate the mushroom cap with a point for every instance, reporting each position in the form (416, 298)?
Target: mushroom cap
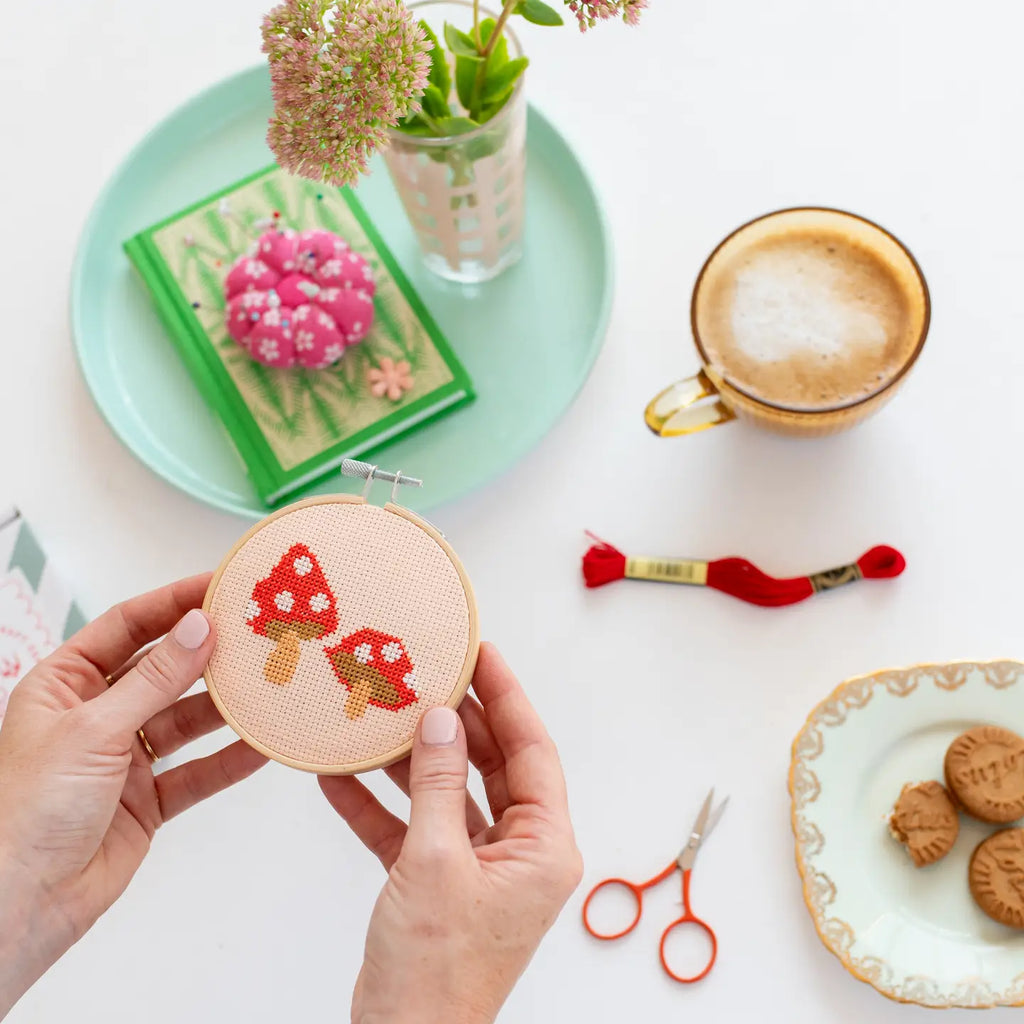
(299, 299)
(370, 650)
(294, 598)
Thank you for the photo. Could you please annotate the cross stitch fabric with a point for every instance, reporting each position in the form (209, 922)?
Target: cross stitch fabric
(338, 624)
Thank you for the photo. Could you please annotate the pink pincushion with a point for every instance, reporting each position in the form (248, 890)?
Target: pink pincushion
(301, 298)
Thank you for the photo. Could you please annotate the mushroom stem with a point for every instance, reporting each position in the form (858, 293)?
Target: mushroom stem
(283, 659)
(358, 698)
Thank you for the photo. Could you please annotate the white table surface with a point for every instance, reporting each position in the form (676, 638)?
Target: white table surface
(254, 906)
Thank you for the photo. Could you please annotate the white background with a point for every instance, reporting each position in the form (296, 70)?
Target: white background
(712, 111)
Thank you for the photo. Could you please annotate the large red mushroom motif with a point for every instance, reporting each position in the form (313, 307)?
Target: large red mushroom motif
(294, 603)
(377, 670)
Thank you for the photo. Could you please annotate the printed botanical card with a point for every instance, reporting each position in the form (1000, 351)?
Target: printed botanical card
(294, 424)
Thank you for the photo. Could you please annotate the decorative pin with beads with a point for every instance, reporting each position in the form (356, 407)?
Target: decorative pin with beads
(339, 622)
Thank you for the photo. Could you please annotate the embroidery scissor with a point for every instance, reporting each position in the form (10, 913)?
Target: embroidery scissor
(702, 827)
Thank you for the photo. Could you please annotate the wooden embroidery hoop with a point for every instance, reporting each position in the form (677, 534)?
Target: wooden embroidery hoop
(458, 690)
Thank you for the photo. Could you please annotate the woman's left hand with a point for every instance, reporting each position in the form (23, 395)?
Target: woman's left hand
(79, 801)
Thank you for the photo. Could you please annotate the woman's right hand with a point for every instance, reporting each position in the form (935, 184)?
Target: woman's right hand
(466, 902)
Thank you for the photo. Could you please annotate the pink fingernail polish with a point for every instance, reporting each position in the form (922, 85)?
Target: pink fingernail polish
(440, 727)
(192, 630)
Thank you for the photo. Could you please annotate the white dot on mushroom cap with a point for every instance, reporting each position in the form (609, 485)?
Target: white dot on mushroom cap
(410, 681)
(391, 652)
(318, 602)
(284, 601)
(364, 653)
(303, 564)
(252, 610)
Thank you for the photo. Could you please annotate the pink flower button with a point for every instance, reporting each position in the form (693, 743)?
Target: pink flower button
(390, 378)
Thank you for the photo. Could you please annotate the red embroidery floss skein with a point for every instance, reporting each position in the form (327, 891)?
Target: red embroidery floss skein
(603, 563)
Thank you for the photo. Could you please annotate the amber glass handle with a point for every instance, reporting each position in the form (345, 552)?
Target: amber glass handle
(681, 409)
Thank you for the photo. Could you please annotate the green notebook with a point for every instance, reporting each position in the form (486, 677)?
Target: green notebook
(293, 426)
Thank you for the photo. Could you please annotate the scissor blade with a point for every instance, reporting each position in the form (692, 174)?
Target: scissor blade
(700, 825)
(715, 818)
(689, 852)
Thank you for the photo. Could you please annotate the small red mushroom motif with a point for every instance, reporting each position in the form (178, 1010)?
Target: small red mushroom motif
(292, 604)
(377, 670)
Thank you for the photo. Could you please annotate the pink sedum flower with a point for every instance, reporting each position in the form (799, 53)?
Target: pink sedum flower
(342, 72)
(631, 11)
(590, 12)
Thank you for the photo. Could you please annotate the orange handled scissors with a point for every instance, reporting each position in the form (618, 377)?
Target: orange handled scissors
(702, 827)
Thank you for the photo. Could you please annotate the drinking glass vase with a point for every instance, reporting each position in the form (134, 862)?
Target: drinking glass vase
(464, 194)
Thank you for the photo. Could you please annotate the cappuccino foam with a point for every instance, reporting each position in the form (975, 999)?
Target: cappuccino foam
(807, 319)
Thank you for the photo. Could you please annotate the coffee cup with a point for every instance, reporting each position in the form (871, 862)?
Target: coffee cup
(806, 321)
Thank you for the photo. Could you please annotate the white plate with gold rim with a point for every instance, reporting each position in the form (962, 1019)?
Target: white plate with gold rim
(915, 934)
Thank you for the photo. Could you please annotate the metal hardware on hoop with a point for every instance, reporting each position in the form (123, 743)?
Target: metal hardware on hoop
(369, 473)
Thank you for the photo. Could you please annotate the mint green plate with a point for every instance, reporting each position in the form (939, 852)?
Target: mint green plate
(528, 338)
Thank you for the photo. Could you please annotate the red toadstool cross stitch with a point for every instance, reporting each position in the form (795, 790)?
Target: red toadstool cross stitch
(376, 669)
(391, 631)
(292, 604)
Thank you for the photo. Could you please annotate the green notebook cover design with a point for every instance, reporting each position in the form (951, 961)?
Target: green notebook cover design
(293, 426)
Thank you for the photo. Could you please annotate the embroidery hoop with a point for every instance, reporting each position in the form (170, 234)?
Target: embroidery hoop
(288, 722)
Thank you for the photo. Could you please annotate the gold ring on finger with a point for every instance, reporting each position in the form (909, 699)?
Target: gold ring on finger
(143, 739)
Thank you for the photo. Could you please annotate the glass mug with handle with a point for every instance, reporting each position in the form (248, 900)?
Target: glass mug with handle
(806, 321)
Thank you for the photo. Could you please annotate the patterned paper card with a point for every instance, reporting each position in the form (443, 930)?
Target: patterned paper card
(36, 611)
